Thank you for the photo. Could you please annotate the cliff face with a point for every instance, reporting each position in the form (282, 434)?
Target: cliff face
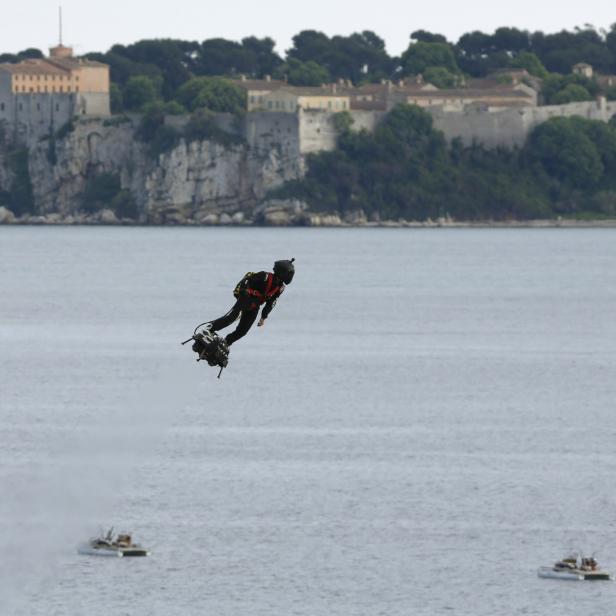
(191, 181)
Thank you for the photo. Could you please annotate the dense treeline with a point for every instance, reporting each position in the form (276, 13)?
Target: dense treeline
(161, 69)
(405, 169)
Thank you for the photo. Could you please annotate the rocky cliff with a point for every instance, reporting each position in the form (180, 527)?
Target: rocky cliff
(192, 181)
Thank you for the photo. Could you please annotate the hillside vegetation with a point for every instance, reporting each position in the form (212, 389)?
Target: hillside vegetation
(405, 169)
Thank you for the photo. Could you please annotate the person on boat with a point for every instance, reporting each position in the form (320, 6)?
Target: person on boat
(251, 292)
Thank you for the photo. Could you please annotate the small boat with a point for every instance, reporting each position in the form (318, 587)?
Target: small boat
(574, 568)
(106, 545)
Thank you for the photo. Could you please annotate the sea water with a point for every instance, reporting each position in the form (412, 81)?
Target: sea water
(426, 418)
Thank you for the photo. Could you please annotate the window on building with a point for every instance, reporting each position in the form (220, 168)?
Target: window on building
(31, 90)
(38, 106)
(60, 89)
(76, 88)
(269, 104)
(252, 99)
(21, 107)
(57, 107)
(76, 77)
(1, 106)
(329, 104)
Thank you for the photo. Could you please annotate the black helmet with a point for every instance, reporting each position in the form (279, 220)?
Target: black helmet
(285, 270)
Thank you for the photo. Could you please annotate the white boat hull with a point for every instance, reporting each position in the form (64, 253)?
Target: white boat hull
(573, 575)
(88, 550)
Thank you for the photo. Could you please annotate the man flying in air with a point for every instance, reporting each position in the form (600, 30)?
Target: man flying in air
(251, 292)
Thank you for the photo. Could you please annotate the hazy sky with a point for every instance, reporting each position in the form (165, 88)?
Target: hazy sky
(95, 26)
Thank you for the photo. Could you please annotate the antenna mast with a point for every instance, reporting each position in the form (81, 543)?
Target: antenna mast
(60, 23)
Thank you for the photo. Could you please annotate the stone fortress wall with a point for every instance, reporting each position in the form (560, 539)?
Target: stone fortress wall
(32, 116)
(488, 126)
(40, 95)
(509, 127)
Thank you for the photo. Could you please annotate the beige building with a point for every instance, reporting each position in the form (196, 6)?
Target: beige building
(257, 89)
(269, 95)
(583, 69)
(515, 96)
(379, 96)
(290, 99)
(61, 73)
(41, 91)
(275, 95)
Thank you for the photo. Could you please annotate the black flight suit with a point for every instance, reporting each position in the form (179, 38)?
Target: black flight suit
(247, 305)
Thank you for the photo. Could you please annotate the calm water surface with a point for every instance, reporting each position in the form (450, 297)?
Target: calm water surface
(427, 417)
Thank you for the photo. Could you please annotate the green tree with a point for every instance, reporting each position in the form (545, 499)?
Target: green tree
(358, 57)
(300, 73)
(174, 108)
(116, 99)
(559, 52)
(310, 46)
(214, 93)
(407, 124)
(219, 57)
(473, 51)
(153, 131)
(566, 153)
(343, 122)
(202, 126)
(610, 43)
(21, 198)
(510, 40)
(266, 59)
(571, 94)
(554, 84)
(165, 59)
(123, 68)
(100, 191)
(439, 77)
(603, 136)
(531, 63)
(138, 92)
(427, 37)
(420, 56)
(152, 120)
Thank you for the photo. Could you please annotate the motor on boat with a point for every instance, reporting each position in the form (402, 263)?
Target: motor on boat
(106, 545)
(575, 567)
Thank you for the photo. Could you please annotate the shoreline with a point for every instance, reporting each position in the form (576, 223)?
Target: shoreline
(281, 217)
(517, 224)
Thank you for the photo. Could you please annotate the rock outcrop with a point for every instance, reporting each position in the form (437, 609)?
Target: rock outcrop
(6, 216)
(199, 181)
